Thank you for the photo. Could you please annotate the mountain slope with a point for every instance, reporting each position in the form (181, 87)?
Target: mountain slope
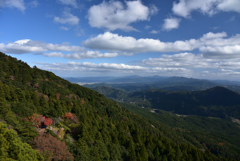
(221, 136)
(90, 125)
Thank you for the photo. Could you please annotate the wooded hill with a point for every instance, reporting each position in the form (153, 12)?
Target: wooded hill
(102, 129)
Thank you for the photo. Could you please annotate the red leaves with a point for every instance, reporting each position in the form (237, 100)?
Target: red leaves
(48, 121)
(37, 119)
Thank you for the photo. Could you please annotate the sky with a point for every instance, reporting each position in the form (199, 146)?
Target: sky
(83, 38)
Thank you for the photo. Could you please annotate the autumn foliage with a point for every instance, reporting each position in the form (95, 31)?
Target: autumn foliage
(68, 115)
(52, 148)
(48, 121)
(37, 119)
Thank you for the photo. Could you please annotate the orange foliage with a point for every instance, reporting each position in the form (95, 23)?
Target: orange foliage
(70, 116)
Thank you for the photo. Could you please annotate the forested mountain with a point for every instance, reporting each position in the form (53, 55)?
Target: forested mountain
(216, 102)
(54, 119)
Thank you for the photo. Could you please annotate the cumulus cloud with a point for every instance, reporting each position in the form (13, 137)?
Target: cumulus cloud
(218, 46)
(224, 51)
(114, 15)
(67, 18)
(115, 42)
(229, 5)
(210, 44)
(29, 46)
(41, 48)
(69, 2)
(185, 7)
(171, 23)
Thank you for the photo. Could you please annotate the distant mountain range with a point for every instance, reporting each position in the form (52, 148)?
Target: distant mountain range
(137, 83)
(216, 102)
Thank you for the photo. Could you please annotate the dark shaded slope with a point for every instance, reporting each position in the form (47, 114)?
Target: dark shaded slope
(217, 96)
(217, 101)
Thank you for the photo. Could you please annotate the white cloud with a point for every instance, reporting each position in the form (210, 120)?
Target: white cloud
(82, 55)
(19, 4)
(211, 35)
(67, 18)
(217, 46)
(88, 66)
(114, 42)
(185, 7)
(111, 69)
(171, 23)
(69, 2)
(211, 44)
(191, 61)
(224, 51)
(229, 5)
(181, 60)
(111, 66)
(54, 54)
(29, 46)
(114, 15)
(90, 54)
(55, 50)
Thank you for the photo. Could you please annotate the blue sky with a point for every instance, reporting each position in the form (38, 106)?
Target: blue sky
(78, 38)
